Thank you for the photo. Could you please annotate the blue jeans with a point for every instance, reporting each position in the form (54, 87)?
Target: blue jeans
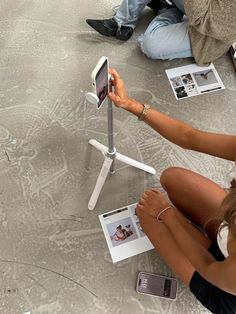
(166, 36)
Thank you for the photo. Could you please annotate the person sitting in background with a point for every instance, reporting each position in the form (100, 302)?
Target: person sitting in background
(203, 29)
(194, 229)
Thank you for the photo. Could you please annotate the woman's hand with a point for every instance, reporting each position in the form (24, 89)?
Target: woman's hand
(152, 202)
(119, 96)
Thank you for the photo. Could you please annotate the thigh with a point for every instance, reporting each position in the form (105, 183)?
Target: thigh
(197, 197)
(166, 37)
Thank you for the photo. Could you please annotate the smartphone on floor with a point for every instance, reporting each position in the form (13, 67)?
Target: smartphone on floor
(157, 285)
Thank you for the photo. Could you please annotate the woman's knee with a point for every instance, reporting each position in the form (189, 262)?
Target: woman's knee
(154, 48)
(170, 176)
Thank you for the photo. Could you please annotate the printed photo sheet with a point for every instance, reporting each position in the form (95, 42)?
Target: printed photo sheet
(193, 80)
(123, 233)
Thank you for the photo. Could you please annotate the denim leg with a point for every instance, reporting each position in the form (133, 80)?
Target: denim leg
(179, 4)
(129, 12)
(166, 37)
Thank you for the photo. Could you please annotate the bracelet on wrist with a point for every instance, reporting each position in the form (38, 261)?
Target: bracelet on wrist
(162, 211)
(143, 114)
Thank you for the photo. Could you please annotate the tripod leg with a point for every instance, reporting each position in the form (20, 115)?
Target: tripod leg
(100, 182)
(135, 163)
(102, 148)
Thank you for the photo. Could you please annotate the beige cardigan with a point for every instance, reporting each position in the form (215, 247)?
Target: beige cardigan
(212, 27)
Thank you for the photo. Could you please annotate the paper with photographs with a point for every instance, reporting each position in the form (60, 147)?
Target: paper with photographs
(123, 233)
(192, 80)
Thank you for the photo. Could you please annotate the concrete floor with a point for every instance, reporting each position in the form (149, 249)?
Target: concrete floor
(53, 255)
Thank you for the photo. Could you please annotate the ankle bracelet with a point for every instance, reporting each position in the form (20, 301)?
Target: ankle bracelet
(162, 211)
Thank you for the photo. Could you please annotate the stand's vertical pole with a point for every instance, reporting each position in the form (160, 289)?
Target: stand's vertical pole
(111, 149)
(110, 127)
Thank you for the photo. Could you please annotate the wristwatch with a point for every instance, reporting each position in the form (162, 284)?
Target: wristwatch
(143, 114)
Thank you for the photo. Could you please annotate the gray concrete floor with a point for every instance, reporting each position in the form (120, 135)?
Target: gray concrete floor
(53, 255)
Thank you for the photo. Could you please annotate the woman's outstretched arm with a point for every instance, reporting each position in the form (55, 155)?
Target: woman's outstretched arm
(177, 132)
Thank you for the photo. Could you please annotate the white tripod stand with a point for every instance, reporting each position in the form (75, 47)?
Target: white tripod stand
(110, 156)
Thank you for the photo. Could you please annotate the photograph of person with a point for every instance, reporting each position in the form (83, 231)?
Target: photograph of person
(205, 78)
(187, 79)
(122, 231)
(180, 92)
(176, 81)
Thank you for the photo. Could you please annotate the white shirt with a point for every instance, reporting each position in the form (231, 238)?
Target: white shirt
(222, 240)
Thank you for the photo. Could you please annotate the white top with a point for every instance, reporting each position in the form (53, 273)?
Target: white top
(222, 239)
(229, 177)
(222, 236)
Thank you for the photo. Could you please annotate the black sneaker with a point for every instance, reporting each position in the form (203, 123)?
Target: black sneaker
(109, 27)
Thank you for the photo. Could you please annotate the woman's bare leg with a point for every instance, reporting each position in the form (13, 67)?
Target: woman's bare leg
(167, 247)
(164, 242)
(197, 197)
